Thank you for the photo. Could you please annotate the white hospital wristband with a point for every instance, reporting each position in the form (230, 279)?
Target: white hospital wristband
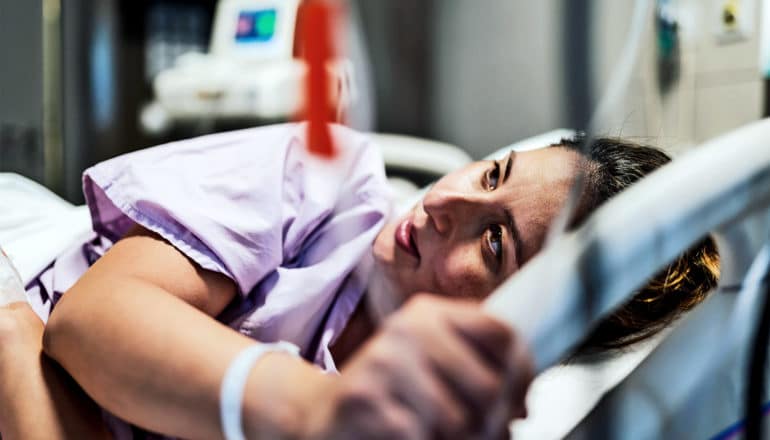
(234, 382)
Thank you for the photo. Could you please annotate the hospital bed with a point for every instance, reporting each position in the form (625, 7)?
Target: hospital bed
(699, 372)
(692, 385)
(562, 395)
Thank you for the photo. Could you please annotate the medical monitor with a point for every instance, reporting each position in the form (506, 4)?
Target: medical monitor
(254, 30)
(255, 27)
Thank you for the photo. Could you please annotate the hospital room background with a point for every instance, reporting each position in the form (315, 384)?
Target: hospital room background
(437, 82)
(82, 74)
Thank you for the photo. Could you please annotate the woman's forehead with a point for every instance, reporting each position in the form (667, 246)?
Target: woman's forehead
(545, 165)
(538, 186)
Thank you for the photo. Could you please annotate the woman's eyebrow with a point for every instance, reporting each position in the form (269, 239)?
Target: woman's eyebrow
(515, 236)
(508, 166)
(509, 219)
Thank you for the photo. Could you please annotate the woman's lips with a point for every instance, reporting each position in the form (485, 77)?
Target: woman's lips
(405, 239)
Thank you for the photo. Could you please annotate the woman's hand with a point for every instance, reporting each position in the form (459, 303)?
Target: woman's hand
(435, 370)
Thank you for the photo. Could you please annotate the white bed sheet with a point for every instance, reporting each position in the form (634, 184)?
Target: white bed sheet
(36, 225)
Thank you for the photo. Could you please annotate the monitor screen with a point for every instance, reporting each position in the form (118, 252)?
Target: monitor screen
(255, 26)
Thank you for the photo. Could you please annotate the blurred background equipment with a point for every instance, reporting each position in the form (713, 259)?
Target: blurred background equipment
(91, 79)
(250, 71)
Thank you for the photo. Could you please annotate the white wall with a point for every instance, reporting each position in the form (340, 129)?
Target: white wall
(719, 88)
(497, 74)
(495, 64)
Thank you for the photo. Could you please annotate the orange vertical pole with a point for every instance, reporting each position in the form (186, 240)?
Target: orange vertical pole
(315, 33)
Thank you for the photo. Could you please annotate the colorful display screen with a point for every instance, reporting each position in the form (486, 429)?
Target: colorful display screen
(255, 26)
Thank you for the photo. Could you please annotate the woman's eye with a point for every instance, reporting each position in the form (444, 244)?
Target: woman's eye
(493, 176)
(495, 241)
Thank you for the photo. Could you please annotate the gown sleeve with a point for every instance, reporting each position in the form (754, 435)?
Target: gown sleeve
(241, 203)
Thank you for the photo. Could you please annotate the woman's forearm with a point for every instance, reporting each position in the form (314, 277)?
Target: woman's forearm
(136, 332)
(154, 360)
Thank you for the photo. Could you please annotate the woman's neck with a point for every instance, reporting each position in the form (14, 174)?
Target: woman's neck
(358, 329)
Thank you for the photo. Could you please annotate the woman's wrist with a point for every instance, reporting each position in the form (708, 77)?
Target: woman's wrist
(280, 393)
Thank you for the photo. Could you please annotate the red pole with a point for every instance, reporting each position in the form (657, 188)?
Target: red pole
(315, 23)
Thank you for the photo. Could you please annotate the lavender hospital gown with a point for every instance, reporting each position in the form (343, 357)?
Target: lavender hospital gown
(293, 231)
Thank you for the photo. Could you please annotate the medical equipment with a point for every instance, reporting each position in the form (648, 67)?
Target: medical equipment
(254, 30)
(625, 242)
(249, 72)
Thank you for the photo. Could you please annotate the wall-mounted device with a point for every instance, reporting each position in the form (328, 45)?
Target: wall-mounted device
(733, 20)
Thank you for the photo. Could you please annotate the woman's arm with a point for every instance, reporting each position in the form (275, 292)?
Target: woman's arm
(38, 400)
(136, 332)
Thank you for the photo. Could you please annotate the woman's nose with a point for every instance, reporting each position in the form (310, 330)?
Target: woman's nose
(446, 207)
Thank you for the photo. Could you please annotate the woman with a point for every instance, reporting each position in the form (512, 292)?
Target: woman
(245, 228)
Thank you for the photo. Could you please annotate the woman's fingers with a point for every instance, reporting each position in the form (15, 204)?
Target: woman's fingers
(362, 405)
(465, 372)
(492, 339)
(471, 353)
(436, 369)
(430, 399)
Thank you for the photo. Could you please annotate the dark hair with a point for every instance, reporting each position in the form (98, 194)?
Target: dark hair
(610, 165)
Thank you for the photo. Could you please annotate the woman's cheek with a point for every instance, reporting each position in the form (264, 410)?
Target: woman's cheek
(461, 274)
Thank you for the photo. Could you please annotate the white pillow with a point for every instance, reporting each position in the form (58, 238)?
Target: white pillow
(535, 142)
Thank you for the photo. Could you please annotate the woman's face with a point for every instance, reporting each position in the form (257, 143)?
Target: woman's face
(476, 226)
